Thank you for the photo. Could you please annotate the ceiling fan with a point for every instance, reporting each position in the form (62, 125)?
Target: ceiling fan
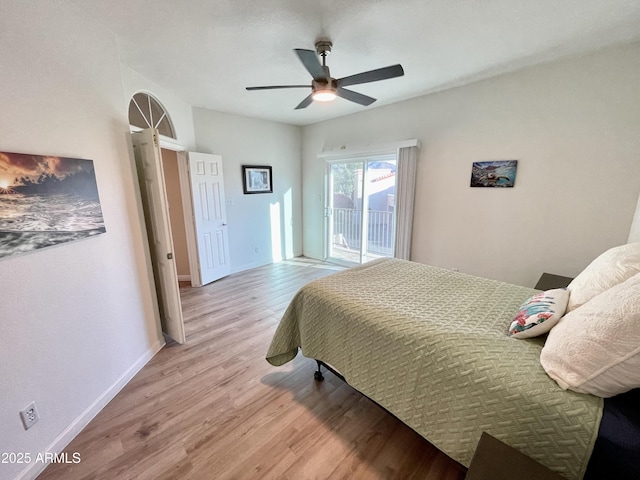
(324, 87)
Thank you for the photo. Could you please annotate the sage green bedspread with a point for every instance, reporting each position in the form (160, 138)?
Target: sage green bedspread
(431, 346)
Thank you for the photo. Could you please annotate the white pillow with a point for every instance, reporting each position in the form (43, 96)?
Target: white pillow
(611, 268)
(596, 348)
(539, 313)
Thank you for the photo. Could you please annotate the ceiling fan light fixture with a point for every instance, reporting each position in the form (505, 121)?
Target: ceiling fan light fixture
(324, 91)
(324, 95)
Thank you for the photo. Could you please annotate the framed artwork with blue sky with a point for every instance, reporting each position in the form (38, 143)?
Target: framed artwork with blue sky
(497, 173)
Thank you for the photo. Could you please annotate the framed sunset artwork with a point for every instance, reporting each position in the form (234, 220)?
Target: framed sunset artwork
(45, 201)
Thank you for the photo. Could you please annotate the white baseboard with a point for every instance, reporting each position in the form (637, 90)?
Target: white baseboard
(249, 266)
(184, 278)
(260, 263)
(36, 468)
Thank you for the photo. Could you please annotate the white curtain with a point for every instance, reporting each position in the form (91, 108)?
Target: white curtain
(405, 192)
(634, 234)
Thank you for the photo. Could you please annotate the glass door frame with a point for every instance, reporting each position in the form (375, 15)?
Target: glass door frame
(364, 160)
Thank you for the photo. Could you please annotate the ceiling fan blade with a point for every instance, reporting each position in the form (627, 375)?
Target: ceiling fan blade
(305, 103)
(273, 87)
(310, 61)
(355, 96)
(372, 76)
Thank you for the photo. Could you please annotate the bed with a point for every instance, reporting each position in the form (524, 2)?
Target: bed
(430, 345)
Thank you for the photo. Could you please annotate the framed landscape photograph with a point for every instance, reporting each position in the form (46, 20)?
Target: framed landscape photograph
(497, 173)
(45, 201)
(257, 179)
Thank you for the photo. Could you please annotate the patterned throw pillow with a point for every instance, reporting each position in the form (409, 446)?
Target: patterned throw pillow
(540, 313)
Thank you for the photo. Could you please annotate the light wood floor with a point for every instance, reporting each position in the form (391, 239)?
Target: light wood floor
(215, 409)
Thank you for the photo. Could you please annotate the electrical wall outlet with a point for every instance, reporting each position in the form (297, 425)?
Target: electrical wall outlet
(30, 416)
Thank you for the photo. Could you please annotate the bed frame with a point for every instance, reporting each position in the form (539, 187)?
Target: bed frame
(317, 375)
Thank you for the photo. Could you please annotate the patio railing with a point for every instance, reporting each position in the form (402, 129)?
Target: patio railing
(347, 231)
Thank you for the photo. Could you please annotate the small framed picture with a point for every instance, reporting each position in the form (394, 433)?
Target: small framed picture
(257, 179)
(498, 173)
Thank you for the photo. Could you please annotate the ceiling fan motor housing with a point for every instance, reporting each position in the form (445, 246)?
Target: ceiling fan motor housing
(324, 85)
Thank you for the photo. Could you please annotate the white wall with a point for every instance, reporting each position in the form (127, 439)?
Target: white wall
(263, 228)
(574, 127)
(75, 319)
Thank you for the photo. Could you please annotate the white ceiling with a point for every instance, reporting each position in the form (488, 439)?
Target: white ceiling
(208, 51)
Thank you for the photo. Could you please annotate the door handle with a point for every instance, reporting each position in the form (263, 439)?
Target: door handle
(224, 224)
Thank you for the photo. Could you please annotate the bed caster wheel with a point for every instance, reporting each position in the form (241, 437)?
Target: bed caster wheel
(318, 376)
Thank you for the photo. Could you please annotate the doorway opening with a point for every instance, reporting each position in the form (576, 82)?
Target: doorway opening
(177, 222)
(182, 196)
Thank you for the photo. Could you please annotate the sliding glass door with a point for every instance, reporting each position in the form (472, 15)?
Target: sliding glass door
(360, 209)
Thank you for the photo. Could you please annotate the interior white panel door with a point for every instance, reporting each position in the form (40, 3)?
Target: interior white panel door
(210, 215)
(156, 213)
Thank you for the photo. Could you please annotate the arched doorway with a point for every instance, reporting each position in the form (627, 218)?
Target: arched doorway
(145, 111)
